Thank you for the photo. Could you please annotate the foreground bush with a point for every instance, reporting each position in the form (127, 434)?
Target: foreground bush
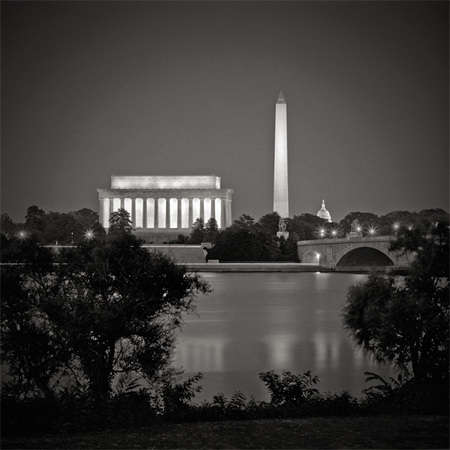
(292, 396)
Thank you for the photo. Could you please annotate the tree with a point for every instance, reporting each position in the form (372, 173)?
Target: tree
(404, 320)
(112, 305)
(270, 222)
(389, 223)
(197, 235)
(31, 344)
(365, 219)
(306, 226)
(244, 222)
(120, 222)
(211, 231)
(8, 228)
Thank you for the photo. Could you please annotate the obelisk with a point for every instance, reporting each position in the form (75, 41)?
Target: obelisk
(280, 179)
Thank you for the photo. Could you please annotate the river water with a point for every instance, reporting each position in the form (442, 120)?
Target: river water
(256, 322)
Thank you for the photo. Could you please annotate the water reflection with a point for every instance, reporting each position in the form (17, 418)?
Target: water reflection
(256, 322)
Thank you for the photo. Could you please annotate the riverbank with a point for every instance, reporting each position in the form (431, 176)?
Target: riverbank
(412, 432)
(254, 267)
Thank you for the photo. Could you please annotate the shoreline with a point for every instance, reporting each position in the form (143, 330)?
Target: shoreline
(254, 267)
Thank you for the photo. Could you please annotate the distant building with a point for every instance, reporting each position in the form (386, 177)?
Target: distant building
(323, 213)
(166, 204)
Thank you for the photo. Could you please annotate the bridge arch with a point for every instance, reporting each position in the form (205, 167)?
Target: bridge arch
(364, 256)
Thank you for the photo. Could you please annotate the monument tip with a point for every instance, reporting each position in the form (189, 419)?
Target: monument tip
(281, 98)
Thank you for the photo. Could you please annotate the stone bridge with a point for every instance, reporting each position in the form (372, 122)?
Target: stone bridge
(352, 254)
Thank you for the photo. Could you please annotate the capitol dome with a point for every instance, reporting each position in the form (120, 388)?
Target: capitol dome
(323, 213)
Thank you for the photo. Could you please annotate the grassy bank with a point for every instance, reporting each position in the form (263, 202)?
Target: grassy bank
(408, 432)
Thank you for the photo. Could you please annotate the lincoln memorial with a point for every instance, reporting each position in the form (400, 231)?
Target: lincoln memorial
(162, 204)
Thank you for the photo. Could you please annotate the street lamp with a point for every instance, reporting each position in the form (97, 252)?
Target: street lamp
(88, 235)
(396, 226)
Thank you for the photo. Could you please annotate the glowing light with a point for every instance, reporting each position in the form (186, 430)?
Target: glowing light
(22, 234)
(317, 255)
(184, 213)
(372, 231)
(358, 229)
(139, 212)
(334, 233)
(218, 213)
(150, 213)
(165, 182)
(89, 235)
(396, 226)
(106, 207)
(161, 213)
(322, 232)
(173, 212)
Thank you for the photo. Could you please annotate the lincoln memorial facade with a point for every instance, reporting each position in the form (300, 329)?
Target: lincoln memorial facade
(166, 203)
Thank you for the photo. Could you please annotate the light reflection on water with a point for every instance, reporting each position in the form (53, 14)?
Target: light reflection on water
(255, 322)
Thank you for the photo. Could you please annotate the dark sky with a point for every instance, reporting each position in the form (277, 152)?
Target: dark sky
(91, 89)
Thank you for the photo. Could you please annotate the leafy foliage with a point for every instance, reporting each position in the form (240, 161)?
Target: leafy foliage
(109, 306)
(290, 388)
(120, 222)
(197, 235)
(404, 319)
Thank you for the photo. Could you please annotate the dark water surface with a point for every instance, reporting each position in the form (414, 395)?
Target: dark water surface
(255, 322)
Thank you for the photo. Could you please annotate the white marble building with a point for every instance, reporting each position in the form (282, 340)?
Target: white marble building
(166, 203)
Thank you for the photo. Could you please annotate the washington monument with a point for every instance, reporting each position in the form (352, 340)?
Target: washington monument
(280, 179)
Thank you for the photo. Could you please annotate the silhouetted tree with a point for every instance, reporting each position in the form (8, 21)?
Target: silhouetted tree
(120, 222)
(109, 306)
(8, 227)
(269, 222)
(306, 226)
(211, 231)
(197, 235)
(404, 320)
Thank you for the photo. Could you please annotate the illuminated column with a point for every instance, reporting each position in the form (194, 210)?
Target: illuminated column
(162, 213)
(151, 213)
(173, 213)
(122, 202)
(228, 212)
(138, 213)
(207, 209)
(191, 213)
(105, 212)
(185, 203)
(101, 209)
(223, 213)
(280, 179)
(179, 215)
(218, 212)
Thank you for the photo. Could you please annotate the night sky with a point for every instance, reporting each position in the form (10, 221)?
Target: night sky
(91, 89)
